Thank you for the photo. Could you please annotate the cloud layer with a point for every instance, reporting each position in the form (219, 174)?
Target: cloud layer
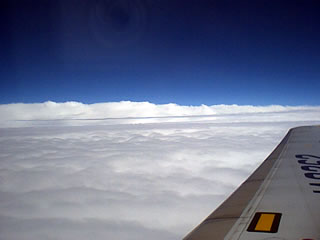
(75, 113)
(144, 171)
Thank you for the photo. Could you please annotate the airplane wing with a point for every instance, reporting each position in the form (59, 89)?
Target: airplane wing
(280, 200)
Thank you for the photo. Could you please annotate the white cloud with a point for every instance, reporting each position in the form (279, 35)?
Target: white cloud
(116, 179)
(20, 114)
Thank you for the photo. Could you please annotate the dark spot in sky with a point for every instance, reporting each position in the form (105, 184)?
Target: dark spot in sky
(116, 24)
(119, 17)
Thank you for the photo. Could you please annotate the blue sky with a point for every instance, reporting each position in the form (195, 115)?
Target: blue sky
(185, 52)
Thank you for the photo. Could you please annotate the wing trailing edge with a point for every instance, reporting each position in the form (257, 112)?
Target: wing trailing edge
(266, 204)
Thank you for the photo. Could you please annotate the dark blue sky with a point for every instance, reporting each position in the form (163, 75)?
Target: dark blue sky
(186, 52)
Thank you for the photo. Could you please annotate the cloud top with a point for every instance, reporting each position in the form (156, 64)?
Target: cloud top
(139, 112)
(143, 171)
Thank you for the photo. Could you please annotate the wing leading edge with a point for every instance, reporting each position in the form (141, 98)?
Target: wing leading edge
(280, 200)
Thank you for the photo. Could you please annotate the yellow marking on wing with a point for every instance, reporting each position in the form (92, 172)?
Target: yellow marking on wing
(265, 222)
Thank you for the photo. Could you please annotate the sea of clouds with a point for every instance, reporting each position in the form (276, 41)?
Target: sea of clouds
(128, 170)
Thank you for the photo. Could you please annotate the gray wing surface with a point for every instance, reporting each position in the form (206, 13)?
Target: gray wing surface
(280, 200)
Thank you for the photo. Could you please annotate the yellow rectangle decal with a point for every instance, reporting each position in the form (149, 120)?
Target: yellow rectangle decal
(265, 222)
